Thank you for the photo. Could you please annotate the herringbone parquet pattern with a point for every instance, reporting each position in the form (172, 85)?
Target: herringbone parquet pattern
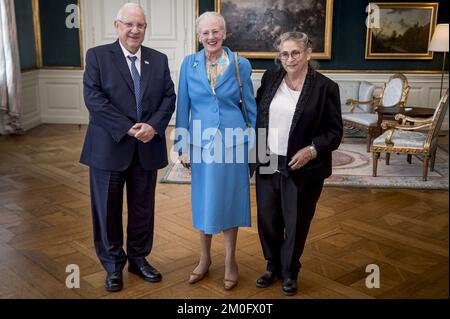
(45, 224)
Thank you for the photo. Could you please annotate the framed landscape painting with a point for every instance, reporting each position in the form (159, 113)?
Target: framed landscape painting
(400, 30)
(254, 25)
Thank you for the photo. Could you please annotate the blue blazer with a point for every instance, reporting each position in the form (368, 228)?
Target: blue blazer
(109, 97)
(216, 109)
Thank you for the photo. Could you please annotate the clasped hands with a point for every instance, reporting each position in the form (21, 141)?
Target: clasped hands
(142, 132)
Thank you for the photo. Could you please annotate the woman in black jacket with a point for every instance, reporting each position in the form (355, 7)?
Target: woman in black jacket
(300, 114)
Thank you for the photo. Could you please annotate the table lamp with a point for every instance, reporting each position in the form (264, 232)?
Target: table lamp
(439, 43)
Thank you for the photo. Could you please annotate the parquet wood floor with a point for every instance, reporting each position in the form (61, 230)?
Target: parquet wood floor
(45, 224)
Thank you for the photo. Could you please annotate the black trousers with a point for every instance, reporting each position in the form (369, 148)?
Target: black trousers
(284, 217)
(107, 201)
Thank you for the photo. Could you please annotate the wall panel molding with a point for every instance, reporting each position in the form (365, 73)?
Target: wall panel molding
(31, 112)
(41, 91)
(162, 19)
(61, 97)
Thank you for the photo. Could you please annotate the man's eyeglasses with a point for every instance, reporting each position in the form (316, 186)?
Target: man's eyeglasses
(129, 25)
(295, 54)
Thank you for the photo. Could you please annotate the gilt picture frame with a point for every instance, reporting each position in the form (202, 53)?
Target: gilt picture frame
(400, 30)
(253, 26)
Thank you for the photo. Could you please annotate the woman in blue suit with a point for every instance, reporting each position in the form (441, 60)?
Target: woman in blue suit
(208, 111)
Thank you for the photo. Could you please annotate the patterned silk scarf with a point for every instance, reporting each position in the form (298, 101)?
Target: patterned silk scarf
(216, 70)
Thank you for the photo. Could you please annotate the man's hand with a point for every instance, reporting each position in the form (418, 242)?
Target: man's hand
(132, 132)
(143, 132)
(300, 159)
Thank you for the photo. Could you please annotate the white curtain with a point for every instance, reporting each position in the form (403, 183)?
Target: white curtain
(10, 102)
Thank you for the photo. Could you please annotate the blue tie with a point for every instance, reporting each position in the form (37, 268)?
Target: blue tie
(137, 85)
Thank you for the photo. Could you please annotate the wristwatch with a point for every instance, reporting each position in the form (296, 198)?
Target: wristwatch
(313, 151)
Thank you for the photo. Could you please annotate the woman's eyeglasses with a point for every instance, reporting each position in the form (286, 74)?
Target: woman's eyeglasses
(295, 54)
(205, 34)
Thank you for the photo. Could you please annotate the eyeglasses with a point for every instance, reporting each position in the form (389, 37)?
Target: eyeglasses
(295, 54)
(205, 34)
(129, 25)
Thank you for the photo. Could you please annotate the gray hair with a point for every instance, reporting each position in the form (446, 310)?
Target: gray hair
(300, 37)
(129, 5)
(208, 14)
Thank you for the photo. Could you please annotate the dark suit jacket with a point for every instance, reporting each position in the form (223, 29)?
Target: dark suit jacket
(109, 97)
(317, 119)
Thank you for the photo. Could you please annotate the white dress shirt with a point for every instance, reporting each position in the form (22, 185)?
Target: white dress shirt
(137, 55)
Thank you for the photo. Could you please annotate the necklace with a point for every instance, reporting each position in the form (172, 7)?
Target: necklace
(291, 85)
(293, 94)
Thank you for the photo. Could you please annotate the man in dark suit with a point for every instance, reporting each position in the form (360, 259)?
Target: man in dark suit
(130, 97)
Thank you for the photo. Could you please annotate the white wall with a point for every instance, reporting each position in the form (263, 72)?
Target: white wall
(56, 96)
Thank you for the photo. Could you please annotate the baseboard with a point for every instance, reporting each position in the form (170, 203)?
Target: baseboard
(29, 122)
(64, 120)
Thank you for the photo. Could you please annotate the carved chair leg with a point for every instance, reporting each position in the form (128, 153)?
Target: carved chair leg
(409, 158)
(433, 159)
(369, 140)
(426, 160)
(376, 156)
(388, 158)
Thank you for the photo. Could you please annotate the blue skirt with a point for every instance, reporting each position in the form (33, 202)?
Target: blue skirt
(220, 193)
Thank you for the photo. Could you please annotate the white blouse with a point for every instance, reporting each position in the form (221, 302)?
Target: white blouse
(281, 112)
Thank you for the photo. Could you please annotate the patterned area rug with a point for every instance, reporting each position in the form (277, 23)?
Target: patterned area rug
(352, 167)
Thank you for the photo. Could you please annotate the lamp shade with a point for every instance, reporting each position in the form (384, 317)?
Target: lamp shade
(439, 41)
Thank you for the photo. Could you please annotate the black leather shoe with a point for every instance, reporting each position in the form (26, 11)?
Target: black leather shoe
(146, 271)
(113, 281)
(290, 287)
(266, 280)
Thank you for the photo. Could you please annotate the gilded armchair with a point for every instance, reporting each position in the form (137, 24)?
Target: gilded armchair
(394, 93)
(411, 136)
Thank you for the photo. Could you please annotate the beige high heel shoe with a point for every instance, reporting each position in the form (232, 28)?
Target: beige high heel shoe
(195, 277)
(229, 284)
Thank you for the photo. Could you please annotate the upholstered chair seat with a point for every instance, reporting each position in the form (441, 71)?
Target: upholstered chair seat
(366, 119)
(408, 139)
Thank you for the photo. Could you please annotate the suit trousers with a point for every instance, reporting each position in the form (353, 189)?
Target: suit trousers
(107, 201)
(284, 217)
